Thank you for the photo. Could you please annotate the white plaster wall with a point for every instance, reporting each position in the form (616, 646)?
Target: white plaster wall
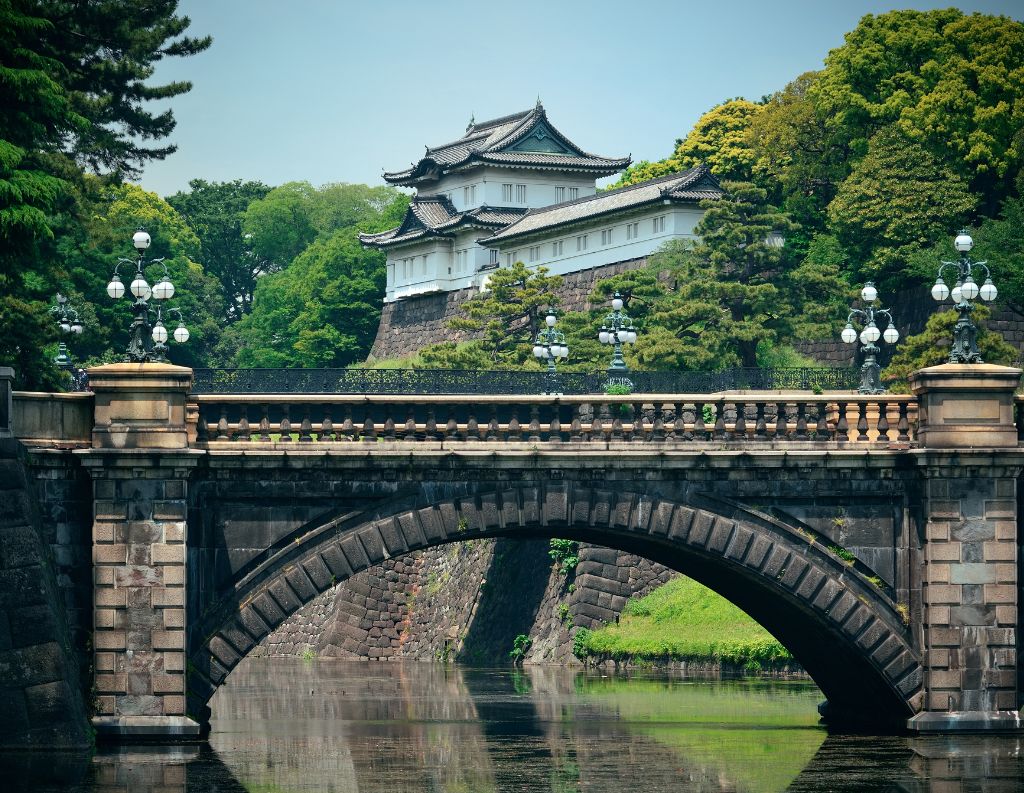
(679, 224)
(540, 186)
(430, 275)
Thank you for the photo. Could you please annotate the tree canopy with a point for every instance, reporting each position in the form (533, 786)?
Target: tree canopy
(73, 93)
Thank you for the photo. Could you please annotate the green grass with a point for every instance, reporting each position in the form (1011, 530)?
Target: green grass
(685, 621)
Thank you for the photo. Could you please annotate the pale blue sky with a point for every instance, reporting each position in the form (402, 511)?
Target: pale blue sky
(332, 91)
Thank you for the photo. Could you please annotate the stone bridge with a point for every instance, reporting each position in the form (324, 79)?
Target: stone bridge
(876, 537)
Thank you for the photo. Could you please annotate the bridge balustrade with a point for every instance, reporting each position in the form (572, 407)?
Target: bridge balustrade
(745, 419)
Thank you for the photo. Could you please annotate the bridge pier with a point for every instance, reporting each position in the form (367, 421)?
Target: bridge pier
(139, 463)
(969, 581)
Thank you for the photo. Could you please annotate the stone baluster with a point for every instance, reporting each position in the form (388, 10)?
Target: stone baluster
(679, 433)
(348, 427)
(700, 431)
(903, 425)
(327, 425)
(658, 430)
(431, 425)
(554, 425)
(760, 424)
(472, 426)
(862, 421)
(223, 428)
(576, 425)
(389, 423)
(451, 430)
(842, 426)
(242, 432)
(616, 421)
(306, 426)
(801, 421)
(719, 420)
(781, 421)
(369, 431)
(514, 430)
(534, 429)
(202, 429)
(883, 420)
(409, 433)
(493, 427)
(286, 424)
(739, 430)
(265, 421)
(821, 431)
(596, 422)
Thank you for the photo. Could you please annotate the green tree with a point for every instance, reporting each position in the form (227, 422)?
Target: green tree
(214, 211)
(34, 115)
(72, 91)
(951, 82)
(283, 223)
(107, 51)
(322, 311)
(90, 257)
(720, 138)
(732, 291)
(897, 199)
(507, 316)
(931, 347)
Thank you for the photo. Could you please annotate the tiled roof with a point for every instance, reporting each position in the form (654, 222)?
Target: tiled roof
(435, 215)
(696, 184)
(488, 141)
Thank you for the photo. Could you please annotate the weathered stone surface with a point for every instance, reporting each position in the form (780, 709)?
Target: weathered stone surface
(40, 689)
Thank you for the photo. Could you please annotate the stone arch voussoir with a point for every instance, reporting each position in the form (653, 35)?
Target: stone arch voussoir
(769, 569)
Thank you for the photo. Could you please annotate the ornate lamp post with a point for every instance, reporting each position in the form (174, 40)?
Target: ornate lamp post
(147, 342)
(68, 322)
(870, 382)
(617, 329)
(549, 346)
(965, 333)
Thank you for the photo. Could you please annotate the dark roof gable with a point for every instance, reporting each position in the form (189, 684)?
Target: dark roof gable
(527, 140)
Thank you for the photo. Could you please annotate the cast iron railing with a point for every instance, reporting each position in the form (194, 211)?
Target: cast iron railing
(734, 420)
(448, 381)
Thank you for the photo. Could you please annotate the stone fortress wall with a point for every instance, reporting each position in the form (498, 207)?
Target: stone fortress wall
(409, 325)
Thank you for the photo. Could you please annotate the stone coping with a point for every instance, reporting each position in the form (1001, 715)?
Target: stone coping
(123, 728)
(966, 721)
(544, 399)
(56, 396)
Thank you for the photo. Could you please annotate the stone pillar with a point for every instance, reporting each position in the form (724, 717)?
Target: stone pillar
(140, 462)
(6, 401)
(970, 574)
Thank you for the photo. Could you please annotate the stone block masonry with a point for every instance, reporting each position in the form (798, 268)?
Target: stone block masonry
(409, 325)
(41, 700)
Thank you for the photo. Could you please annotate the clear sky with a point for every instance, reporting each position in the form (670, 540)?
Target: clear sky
(337, 91)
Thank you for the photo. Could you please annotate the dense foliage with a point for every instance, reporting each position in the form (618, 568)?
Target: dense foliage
(866, 168)
(73, 87)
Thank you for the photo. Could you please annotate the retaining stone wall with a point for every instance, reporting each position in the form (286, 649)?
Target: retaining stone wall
(40, 696)
(912, 308)
(411, 324)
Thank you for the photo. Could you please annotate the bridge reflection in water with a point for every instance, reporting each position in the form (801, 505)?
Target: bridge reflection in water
(287, 725)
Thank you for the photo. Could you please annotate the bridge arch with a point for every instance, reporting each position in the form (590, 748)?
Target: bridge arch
(845, 632)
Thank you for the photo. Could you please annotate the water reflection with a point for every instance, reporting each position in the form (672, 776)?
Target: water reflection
(351, 727)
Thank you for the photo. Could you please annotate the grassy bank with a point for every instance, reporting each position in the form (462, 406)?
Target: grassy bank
(683, 621)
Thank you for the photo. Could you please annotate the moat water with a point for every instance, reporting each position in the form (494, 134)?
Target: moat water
(282, 725)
